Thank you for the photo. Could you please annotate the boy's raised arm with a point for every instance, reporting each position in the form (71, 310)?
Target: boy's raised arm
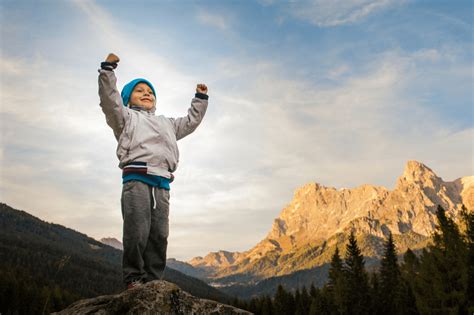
(185, 125)
(110, 99)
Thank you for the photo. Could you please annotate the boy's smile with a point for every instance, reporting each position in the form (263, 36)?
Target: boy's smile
(142, 95)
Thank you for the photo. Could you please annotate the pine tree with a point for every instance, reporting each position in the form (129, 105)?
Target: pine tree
(335, 270)
(409, 269)
(375, 305)
(253, 306)
(407, 299)
(298, 307)
(313, 292)
(236, 302)
(411, 265)
(356, 297)
(390, 279)
(442, 282)
(291, 303)
(282, 303)
(305, 300)
(336, 284)
(320, 303)
(314, 308)
(468, 219)
(318, 300)
(267, 307)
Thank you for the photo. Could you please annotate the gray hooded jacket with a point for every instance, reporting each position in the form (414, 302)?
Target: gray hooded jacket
(142, 136)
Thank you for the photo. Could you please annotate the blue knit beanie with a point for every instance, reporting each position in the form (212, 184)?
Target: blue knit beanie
(128, 88)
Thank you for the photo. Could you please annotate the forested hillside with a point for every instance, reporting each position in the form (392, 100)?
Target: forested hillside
(44, 267)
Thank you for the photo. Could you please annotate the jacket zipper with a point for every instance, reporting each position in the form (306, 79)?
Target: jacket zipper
(132, 137)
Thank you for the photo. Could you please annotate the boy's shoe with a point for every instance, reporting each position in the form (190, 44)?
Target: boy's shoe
(134, 284)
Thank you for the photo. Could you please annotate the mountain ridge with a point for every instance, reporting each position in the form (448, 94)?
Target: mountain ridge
(318, 219)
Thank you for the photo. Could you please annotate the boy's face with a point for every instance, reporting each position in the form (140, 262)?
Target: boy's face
(142, 95)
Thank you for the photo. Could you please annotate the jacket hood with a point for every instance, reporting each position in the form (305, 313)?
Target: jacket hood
(128, 88)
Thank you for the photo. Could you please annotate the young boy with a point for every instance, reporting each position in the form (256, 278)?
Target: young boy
(148, 155)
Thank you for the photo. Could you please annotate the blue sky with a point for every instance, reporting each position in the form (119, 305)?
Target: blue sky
(342, 93)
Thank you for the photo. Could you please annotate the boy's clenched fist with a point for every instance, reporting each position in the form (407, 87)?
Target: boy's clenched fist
(112, 58)
(110, 62)
(201, 88)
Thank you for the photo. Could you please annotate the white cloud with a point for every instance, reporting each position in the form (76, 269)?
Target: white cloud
(338, 71)
(266, 2)
(13, 67)
(216, 20)
(326, 13)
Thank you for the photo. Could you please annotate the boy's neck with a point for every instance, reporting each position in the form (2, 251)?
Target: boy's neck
(140, 108)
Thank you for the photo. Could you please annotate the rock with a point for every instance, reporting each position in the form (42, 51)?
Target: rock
(154, 297)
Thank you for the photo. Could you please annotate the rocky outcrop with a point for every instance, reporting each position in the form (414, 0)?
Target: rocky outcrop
(155, 297)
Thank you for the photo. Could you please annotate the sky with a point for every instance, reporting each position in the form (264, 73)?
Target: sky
(338, 92)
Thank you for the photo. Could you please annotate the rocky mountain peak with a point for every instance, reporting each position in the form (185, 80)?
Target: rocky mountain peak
(220, 258)
(419, 174)
(112, 241)
(307, 189)
(316, 212)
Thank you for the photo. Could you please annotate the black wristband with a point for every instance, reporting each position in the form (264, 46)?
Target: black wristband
(108, 65)
(202, 96)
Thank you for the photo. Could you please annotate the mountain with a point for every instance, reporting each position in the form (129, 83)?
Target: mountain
(113, 242)
(186, 268)
(318, 219)
(52, 266)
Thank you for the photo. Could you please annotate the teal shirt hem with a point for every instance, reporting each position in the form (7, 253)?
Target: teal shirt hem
(153, 180)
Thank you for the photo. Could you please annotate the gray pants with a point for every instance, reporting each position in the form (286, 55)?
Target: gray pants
(145, 213)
